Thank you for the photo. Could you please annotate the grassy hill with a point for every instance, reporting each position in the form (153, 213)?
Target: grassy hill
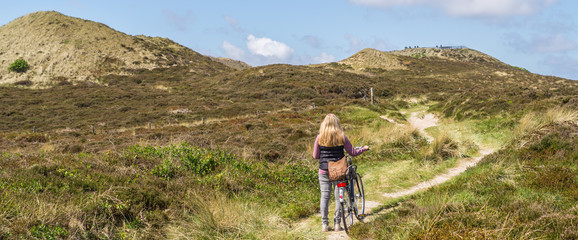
(459, 54)
(185, 146)
(236, 64)
(526, 190)
(60, 48)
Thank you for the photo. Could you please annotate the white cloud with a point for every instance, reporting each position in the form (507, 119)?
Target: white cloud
(541, 43)
(180, 22)
(312, 41)
(380, 44)
(267, 47)
(562, 66)
(470, 8)
(554, 43)
(324, 58)
(233, 23)
(355, 45)
(232, 51)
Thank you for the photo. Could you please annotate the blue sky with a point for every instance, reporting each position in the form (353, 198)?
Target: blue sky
(539, 35)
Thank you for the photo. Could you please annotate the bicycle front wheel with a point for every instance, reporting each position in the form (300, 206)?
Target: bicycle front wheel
(359, 195)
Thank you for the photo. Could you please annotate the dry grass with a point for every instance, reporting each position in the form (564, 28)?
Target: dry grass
(389, 134)
(443, 147)
(216, 216)
(373, 59)
(535, 121)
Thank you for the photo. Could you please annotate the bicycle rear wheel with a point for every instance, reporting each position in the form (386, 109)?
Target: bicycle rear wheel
(343, 209)
(359, 194)
(347, 211)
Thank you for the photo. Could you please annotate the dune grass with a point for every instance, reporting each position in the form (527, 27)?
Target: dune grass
(142, 191)
(522, 192)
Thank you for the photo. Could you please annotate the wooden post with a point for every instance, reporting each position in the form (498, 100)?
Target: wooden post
(93, 131)
(34, 129)
(371, 89)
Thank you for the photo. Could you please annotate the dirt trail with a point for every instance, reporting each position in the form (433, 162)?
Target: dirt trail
(462, 166)
(369, 206)
(420, 123)
(391, 120)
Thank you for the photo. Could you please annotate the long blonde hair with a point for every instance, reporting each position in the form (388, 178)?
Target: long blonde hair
(330, 132)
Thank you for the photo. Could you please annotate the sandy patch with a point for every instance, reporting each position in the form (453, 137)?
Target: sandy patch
(421, 123)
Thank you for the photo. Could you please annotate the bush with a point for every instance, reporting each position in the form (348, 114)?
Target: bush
(27, 83)
(46, 232)
(20, 65)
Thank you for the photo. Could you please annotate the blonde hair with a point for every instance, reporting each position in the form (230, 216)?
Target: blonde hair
(330, 132)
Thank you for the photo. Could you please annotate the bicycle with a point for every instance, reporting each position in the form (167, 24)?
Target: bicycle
(351, 196)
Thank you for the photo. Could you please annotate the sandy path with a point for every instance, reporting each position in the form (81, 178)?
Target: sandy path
(462, 166)
(369, 205)
(428, 120)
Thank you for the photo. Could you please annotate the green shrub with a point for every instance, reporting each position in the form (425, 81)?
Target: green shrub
(166, 170)
(20, 65)
(46, 232)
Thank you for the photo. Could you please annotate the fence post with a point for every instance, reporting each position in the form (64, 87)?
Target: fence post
(371, 96)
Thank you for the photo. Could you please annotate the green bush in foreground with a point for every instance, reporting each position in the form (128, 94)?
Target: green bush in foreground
(139, 192)
(20, 65)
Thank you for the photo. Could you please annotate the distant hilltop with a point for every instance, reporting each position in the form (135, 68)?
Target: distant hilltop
(62, 48)
(439, 47)
(454, 53)
(370, 58)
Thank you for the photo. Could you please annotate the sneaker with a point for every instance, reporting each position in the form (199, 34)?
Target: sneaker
(325, 228)
(337, 227)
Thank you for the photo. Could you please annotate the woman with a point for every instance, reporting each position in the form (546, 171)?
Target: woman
(329, 146)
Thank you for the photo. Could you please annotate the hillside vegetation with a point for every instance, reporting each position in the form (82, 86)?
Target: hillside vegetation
(60, 49)
(459, 54)
(184, 146)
